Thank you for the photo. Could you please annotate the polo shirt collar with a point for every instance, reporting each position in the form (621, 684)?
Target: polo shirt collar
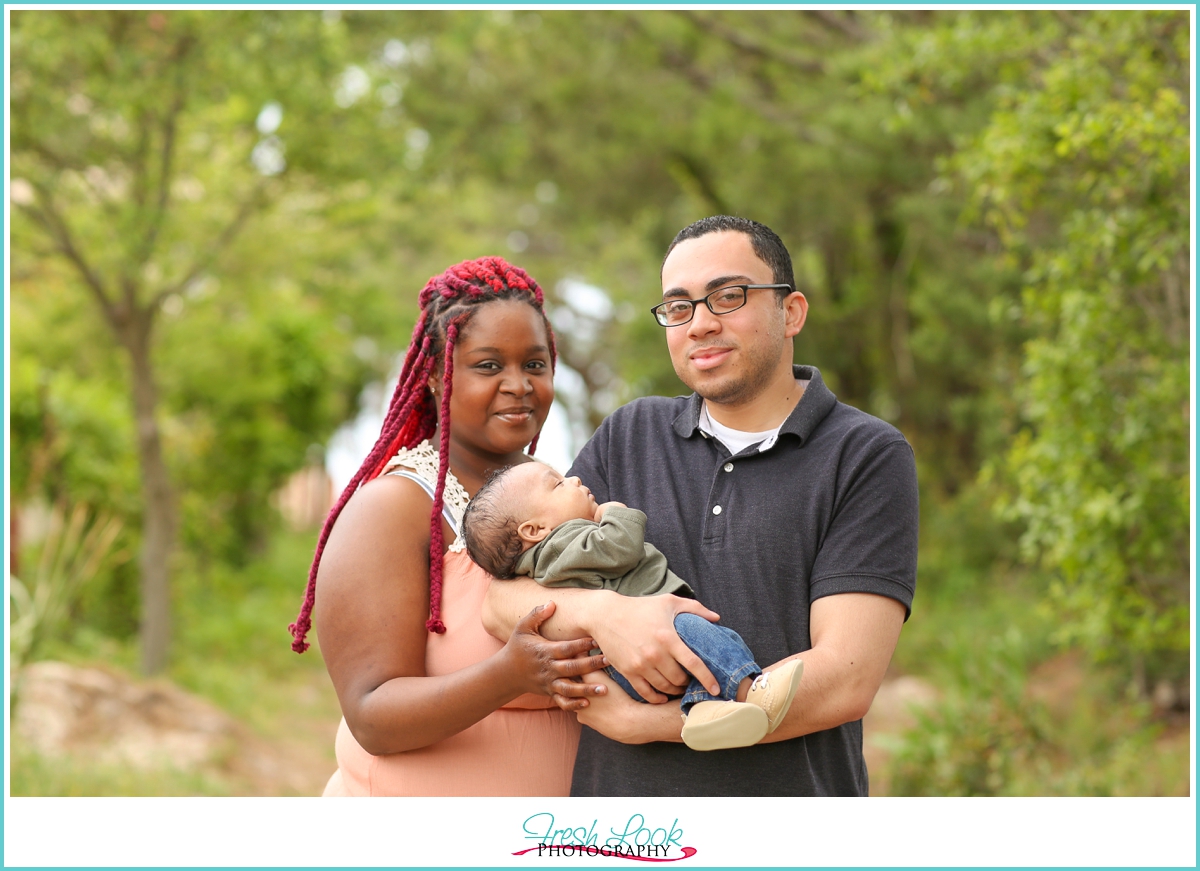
(813, 407)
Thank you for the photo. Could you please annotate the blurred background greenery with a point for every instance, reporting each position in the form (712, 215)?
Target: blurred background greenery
(221, 219)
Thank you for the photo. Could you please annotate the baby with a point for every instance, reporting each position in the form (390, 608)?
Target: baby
(530, 520)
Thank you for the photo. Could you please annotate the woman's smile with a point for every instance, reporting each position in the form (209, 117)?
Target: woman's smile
(515, 416)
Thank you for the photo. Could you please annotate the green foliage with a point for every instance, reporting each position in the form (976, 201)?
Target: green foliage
(140, 183)
(232, 650)
(995, 738)
(74, 431)
(77, 546)
(236, 440)
(1015, 716)
(1083, 173)
(975, 741)
(1078, 165)
(987, 210)
(640, 122)
(233, 643)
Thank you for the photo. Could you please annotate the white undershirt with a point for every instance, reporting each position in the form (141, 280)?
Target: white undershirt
(737, 440)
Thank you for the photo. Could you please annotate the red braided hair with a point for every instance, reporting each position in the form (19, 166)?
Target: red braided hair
(447, 302)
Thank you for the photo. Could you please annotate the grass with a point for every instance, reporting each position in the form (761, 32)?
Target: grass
(977, 743)
(1019, 716)
(74, 776)
(1005, 725)
(231, 647)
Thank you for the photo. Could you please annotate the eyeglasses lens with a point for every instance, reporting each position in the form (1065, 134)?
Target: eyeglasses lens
(672, 313)
(727, 299)
(723, 301)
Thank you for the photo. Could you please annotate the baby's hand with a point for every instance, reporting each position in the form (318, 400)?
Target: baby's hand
(600, 509)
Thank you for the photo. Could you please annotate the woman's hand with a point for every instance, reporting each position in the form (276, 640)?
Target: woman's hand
(547, 667)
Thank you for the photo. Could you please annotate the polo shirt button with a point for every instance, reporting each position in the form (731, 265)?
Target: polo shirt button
(716, 509)
(729, 467)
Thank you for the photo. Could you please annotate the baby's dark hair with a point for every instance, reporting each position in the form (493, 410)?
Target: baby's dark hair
(489, 530)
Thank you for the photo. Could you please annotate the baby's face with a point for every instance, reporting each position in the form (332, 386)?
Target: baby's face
(551, 498)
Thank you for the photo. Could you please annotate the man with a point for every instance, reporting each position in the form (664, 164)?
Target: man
(791, 515)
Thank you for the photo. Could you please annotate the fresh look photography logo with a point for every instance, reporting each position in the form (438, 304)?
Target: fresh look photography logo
(635, 838)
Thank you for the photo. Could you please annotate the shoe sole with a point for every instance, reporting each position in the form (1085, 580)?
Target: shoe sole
(787, 702)
(747, 725)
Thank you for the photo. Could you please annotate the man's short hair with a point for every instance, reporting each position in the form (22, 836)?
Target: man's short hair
(489, 529)
(765, 242)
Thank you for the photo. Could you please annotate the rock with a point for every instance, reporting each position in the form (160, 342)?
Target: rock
(95, 714)
(63, 709)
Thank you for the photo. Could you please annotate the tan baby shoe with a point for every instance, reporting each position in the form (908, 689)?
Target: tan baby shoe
(773, 691)
(722, 725)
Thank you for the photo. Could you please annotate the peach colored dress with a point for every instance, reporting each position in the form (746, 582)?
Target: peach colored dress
(526, 748)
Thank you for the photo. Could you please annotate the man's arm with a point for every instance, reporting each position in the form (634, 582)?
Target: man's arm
(617, 716)
(853, 635)
(637, 634)
(864, 576)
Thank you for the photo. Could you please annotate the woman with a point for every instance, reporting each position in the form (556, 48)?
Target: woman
(431, 704)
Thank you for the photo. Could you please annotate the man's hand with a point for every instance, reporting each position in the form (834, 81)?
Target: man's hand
(638, 636)
(619, 717)
(600, 509)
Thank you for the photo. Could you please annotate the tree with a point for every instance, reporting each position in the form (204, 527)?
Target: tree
(638, 122)
(1082, 174)
(322, 165)
(144, 146)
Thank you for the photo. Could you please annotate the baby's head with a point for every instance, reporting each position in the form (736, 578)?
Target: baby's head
(518, 507)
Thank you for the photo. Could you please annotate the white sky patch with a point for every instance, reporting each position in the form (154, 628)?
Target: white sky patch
(353, 84)
(269, 118)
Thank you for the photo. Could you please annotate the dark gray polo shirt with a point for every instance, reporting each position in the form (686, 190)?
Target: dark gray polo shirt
(830, 508)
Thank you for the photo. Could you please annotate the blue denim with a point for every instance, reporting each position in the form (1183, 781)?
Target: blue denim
(721, 649)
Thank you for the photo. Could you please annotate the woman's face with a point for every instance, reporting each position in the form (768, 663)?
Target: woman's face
(503, 385)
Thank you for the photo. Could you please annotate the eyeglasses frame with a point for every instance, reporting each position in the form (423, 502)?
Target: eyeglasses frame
(746, 288)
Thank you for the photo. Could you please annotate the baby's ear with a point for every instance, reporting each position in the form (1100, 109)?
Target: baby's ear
(533, 531)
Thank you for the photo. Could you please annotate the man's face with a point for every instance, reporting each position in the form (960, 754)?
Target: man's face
(731, 358)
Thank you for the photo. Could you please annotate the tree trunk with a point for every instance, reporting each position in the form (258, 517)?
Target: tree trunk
(159, 524)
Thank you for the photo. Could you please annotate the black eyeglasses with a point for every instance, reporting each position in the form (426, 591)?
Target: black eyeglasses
(677, 312)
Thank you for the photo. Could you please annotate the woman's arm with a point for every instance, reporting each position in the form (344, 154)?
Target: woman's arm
(371, 606)
(637, 634)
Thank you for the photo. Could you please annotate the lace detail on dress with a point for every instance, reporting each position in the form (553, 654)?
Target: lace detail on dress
(423, 460)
